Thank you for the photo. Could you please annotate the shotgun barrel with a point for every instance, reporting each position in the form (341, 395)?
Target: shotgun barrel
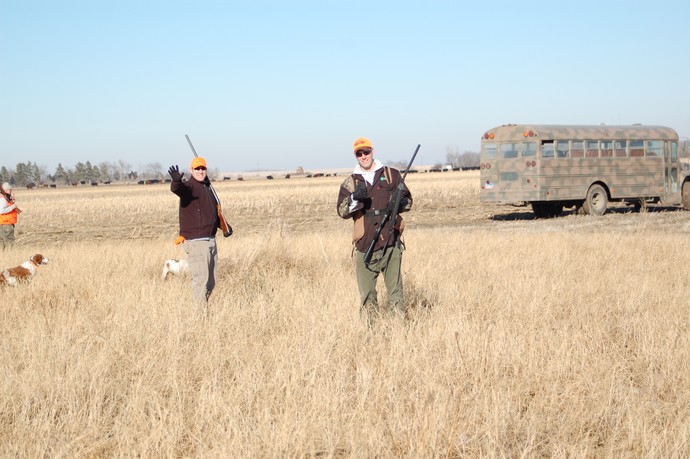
(391, 213)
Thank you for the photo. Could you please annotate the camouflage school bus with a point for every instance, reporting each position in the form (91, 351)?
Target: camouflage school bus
(554, 167)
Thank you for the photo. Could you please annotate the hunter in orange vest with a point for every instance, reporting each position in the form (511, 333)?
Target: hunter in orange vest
(8, 214)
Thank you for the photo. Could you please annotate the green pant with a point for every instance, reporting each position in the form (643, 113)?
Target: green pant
(7, 235)
(202, 257)
(387, 261)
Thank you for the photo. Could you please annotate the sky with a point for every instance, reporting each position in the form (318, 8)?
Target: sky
(274, 85)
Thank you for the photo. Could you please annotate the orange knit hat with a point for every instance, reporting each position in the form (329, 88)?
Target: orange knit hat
(198, 162)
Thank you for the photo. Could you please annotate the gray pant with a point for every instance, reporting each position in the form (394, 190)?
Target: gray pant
(7, 235)
(387, 261)
(202, 256)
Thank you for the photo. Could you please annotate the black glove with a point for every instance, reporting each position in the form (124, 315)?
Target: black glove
(361, 193)
(207, 181)
(174, 172)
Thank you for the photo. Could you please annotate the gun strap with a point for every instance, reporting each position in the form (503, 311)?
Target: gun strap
(388, 175)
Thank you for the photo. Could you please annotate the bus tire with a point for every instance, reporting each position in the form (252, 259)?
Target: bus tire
(547, 209)
(554, 209)
(686, 195)
(538, 209)
(596, 201)
(640, 205)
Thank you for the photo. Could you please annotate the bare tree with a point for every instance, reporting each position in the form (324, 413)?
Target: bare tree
(469, 159)
(152, 170)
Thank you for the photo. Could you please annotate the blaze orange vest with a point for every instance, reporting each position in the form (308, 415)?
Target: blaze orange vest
(9, 218)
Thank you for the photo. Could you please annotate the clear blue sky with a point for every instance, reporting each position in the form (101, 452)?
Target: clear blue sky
(276, 85)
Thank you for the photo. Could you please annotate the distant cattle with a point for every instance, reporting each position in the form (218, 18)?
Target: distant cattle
(240, 178)
(269, 177)
(52, 185)
(83, 182)
(318, 175)
(30, 186)
(152, 181)
(107, 182)
(470, 168)
(226, 178)
(287, 175)
(74, 183)
(140, 182)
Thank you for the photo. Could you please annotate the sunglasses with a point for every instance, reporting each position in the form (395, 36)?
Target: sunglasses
(200, 168)
(361, 153)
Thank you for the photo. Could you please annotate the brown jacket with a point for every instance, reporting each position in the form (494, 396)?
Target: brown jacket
(371, 210)
(198, 209)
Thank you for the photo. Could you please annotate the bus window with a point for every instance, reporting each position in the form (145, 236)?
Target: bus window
(490, 151)
(592, 147)
(606, 149)
(577, 149)
(509, 150)
(619, 148)
(562, 148)
(636, 148)
(529, 149)
(547, 149)
(653, 148)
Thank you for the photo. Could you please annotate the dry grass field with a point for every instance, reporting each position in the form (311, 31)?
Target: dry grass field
(565, 337)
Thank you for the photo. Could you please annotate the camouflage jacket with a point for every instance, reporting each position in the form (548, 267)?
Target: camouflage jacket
(368, 214)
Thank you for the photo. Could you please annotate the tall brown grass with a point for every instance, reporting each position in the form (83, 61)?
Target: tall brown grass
(566, 337)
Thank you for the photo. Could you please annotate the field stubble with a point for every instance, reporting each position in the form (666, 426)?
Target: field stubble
(565, 337)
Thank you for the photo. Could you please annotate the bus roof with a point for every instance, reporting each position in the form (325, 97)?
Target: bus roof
(575, 132)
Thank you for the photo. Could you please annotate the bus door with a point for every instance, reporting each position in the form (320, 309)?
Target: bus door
(671, 169)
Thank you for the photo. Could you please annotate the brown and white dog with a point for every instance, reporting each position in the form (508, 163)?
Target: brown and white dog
(173, 266)
(23, 272)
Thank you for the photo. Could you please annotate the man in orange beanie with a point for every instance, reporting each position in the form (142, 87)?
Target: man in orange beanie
(199, 222)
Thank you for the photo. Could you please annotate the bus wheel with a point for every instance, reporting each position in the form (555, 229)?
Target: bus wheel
(686, 195)
(640, 205)
(596, 201)
(539, 209)
(554, 209)
(547, 209)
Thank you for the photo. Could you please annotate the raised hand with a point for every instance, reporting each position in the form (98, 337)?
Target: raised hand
(175, 174)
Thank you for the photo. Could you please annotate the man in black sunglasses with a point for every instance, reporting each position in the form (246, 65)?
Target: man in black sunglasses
(365, 196)
(199, 222)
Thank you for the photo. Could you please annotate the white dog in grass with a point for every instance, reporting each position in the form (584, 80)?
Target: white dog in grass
(176, 267)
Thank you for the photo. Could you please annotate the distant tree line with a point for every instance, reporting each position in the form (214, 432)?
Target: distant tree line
(28, 173)
(453, 159)
(465, 159)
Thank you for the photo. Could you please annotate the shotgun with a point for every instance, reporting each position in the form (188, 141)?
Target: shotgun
(391, 215)
(224, 226)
